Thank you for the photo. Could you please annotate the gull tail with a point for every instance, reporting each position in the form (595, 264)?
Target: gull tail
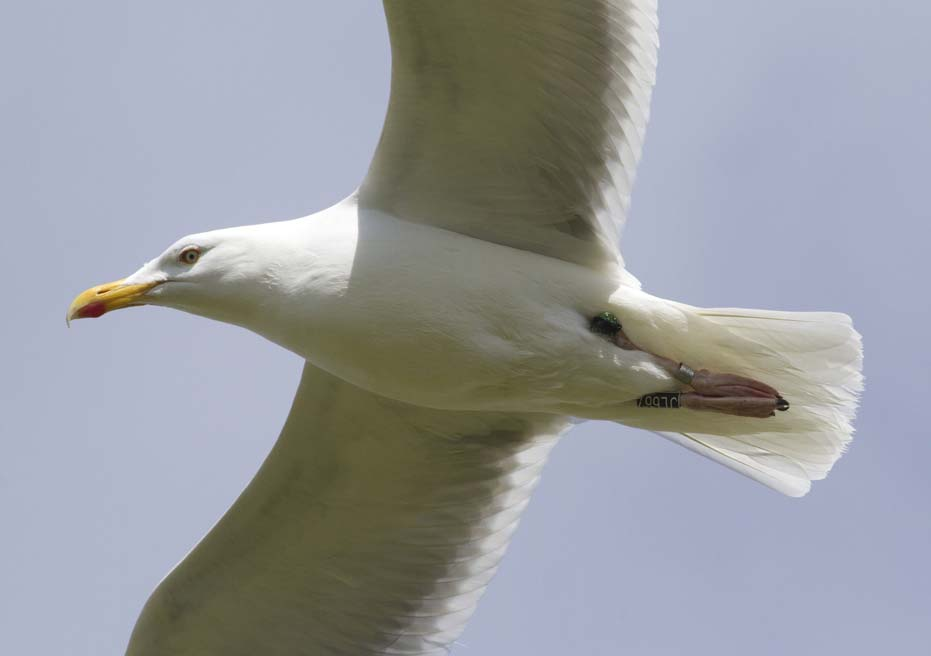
(814, 359)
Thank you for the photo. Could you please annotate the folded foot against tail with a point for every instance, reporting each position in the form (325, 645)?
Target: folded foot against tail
(709, 390)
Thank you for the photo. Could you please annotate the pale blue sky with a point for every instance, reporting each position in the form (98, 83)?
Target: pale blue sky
(786, 167)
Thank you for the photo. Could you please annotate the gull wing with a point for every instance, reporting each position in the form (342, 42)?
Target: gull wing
(517, 122)
(373, 527)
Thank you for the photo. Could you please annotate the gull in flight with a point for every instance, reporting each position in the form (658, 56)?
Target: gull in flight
(457, 313)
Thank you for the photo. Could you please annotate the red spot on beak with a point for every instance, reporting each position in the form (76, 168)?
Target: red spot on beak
(92, 310)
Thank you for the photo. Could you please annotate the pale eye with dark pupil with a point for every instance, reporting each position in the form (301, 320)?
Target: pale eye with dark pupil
(189, 255)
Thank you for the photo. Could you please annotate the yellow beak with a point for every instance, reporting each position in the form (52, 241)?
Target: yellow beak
(101, 299)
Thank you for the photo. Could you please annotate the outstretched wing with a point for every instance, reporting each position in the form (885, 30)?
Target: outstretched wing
(519, 122)
(372, 528)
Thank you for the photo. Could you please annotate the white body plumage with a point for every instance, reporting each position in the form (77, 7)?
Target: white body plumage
(426, 316)
(440, 320)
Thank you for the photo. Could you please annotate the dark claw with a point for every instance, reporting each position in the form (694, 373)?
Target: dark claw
(781, 404)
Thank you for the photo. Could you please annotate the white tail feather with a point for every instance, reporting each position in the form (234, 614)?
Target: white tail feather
(814, 359)
(771, 469)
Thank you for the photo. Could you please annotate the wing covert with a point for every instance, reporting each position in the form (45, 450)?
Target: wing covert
(371, 528)
(517, 122)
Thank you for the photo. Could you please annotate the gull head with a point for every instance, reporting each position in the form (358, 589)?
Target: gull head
(223, 275)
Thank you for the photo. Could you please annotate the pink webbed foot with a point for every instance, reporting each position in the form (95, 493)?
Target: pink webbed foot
(742, 406)
(733, 394)
(709, 383)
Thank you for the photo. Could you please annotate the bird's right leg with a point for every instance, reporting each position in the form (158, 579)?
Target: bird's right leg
(710, 391)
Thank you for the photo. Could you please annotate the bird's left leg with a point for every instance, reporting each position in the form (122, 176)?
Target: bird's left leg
(717, 392)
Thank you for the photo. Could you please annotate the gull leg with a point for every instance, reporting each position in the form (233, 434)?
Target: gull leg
(710, 391)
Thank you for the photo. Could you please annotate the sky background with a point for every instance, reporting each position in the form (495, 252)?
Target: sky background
(786, 167)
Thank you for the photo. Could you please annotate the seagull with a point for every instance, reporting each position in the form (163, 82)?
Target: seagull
(457, 313)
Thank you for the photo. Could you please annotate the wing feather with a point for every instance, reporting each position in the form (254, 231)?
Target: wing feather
(372, 528)
(517, 122)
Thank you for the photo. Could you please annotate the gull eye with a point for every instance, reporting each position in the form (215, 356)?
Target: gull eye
(189, 255)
